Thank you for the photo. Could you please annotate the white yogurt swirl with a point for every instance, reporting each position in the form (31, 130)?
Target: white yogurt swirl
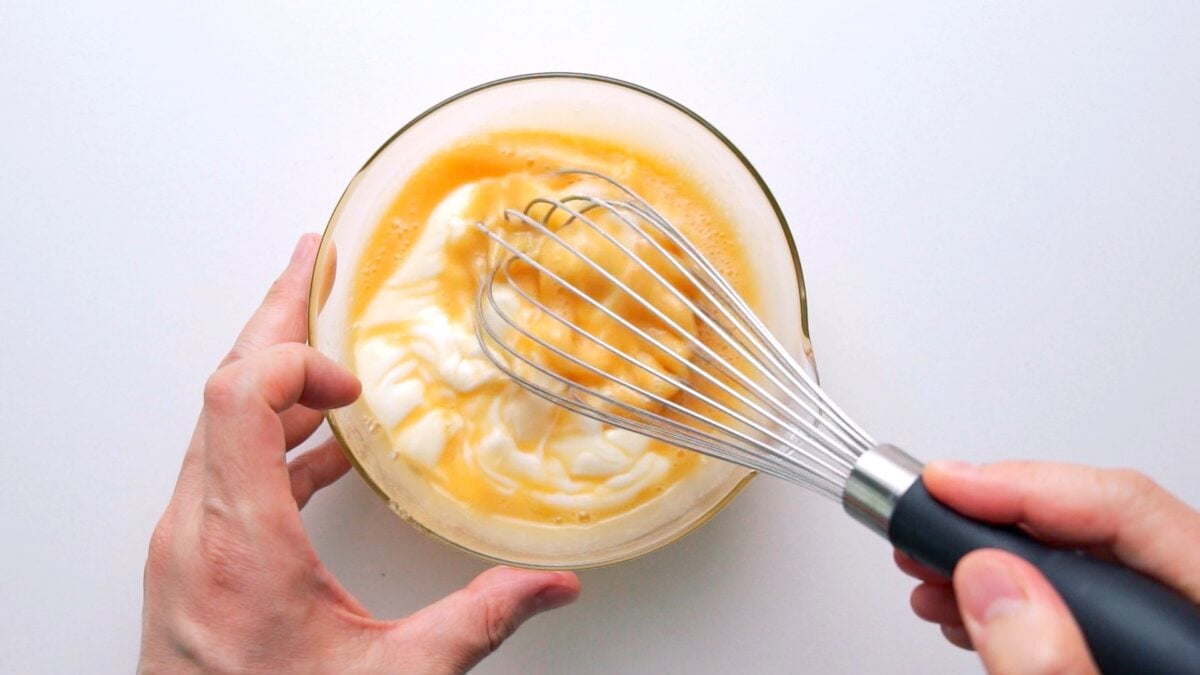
(427, 382)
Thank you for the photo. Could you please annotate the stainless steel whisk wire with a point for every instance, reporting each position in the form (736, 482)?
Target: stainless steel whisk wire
(816, 447)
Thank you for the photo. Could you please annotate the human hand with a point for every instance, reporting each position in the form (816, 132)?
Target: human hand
(1001, 605)
(232, 583)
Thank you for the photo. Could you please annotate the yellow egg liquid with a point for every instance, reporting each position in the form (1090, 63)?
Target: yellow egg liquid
(507, 170)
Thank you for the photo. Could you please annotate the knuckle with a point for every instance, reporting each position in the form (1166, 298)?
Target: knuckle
(231, 385)
(291, 354)
(283, 291)
(292, 350)
(222, 388)
(493, 625)
(303, 483)
(238, 351)
(1133, 488)
(1135, 482)
(437, 663)
(288, 357)
(160, 540)
(277, 291)
(158, 552)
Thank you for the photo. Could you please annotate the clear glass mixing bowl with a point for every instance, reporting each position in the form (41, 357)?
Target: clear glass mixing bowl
(575, 104)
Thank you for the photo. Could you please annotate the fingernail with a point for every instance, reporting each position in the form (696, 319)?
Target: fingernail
(303, 247)
(958, 636)
(989, 591)
(950, 466)
(553, 597)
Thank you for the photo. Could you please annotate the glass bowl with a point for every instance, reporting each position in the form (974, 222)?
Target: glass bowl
(578, 104)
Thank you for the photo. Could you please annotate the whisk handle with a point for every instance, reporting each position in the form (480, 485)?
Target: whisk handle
(1132, 623)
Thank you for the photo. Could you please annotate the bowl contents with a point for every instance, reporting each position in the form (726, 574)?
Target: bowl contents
(451, 417)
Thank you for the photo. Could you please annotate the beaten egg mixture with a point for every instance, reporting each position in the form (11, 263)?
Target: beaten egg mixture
(451, 416)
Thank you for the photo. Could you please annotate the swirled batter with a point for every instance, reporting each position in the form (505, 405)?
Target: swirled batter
(450, 415)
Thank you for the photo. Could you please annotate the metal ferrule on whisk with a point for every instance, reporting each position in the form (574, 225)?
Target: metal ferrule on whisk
(878, 480)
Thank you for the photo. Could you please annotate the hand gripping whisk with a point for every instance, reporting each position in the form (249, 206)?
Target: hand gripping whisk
(669, 350)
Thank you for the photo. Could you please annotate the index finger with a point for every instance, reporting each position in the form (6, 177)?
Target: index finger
(1145, 526)
(282, 316)
(244, 439)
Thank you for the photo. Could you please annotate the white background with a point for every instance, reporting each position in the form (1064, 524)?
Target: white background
(996, 206)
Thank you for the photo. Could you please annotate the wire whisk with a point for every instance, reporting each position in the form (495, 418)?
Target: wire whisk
(598, 303)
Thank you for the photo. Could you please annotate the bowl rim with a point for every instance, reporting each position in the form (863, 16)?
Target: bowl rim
(326, 238)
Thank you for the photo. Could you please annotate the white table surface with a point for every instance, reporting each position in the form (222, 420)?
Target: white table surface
(997, 206)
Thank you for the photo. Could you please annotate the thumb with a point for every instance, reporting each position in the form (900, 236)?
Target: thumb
(1017, 621)
(455, 633)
